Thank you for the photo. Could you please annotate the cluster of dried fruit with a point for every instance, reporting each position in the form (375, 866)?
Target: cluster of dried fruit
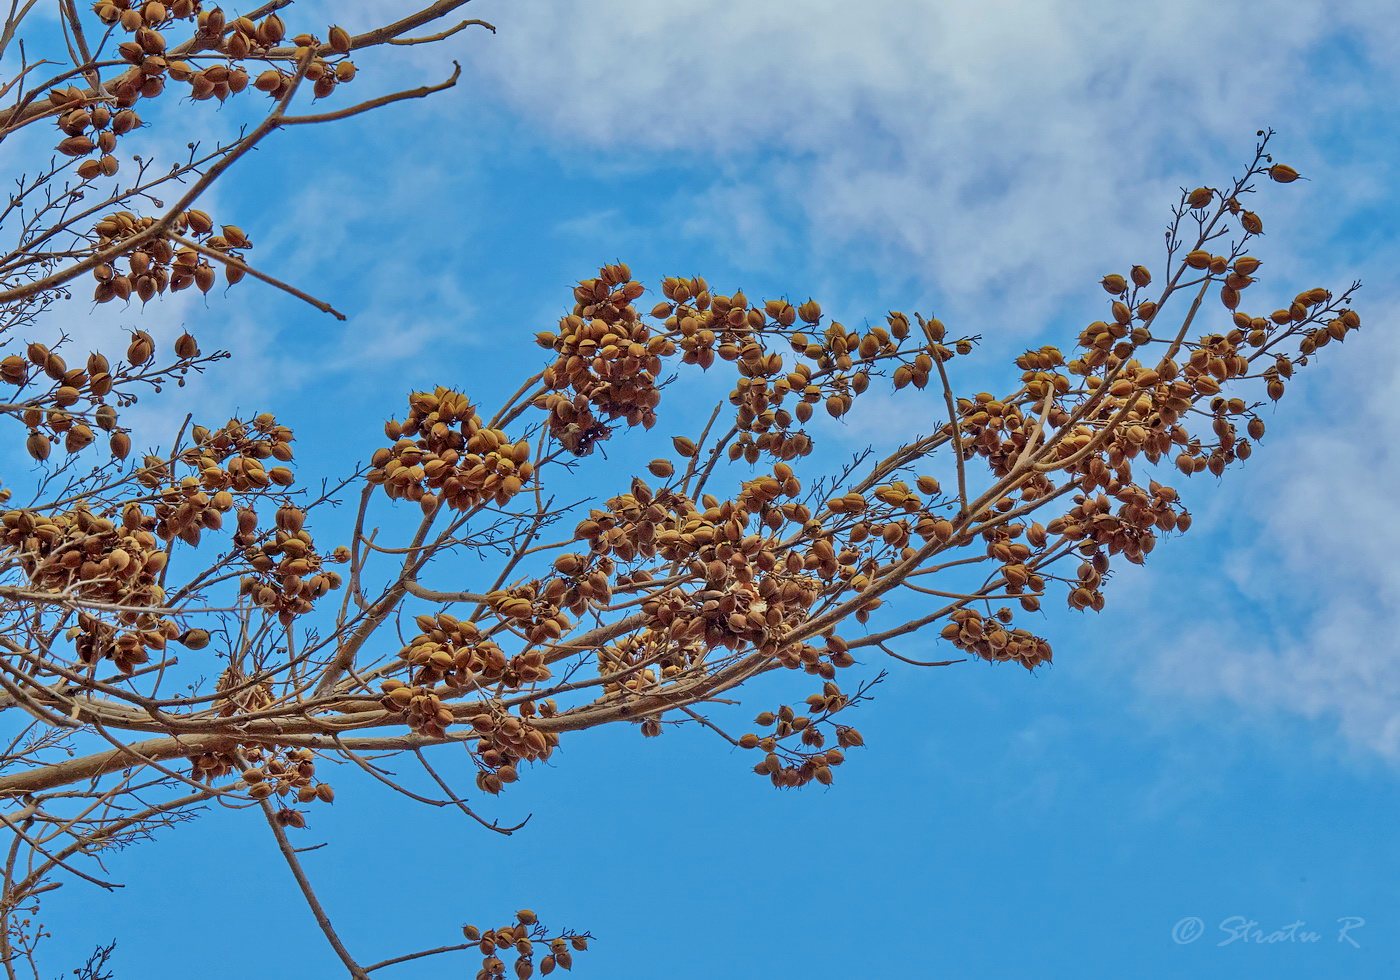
(705, 326)
(90, 128)
(797, 767)
(69, 386)
(94, 558)
(971, 631)
(504, 740)
(450, 651)
(283, 771)
(523, 937)
(456, 460)
(231, 458)
(158, 263)
(238, 40)
(289, 573)
(608, 358)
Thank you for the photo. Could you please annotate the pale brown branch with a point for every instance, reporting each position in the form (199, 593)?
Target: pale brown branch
(421, 92)
(442, 35)
(235, 263)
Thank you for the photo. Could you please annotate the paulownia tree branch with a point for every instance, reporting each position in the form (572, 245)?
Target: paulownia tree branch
(476, 610)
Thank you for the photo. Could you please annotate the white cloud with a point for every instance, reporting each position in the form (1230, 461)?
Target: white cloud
(1009, 150)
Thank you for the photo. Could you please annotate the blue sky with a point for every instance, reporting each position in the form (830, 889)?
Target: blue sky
(1222, 741)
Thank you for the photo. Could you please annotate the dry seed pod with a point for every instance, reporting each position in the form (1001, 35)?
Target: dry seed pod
(270, 81)
(339, 39)
(76, 146)
(38, 445)
(78, 438)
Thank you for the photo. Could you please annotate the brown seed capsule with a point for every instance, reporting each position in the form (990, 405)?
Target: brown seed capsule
(1200, 197)
(345, 71)
(271, 30)
(78, 438)
(339, 39)
(185, 346)
(683, 446)
(1198, 259)
(76, 146)
(1250, 222)
(195, 639)
(1114, 284)
(142, 348)
(120, 444)
(1141, 276)
(1283, 173)
(38, 445)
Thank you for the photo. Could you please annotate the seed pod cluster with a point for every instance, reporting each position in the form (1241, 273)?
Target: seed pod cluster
(279, 771)
(157, 264)
(237, 693)
(455, 459)
(522, 937)
(607, 363)
(70, 386)
(451, 651)
(789, 765)
(289, 574)
(90, 130)
(969, 630)
(503, 740)
(93, 557)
